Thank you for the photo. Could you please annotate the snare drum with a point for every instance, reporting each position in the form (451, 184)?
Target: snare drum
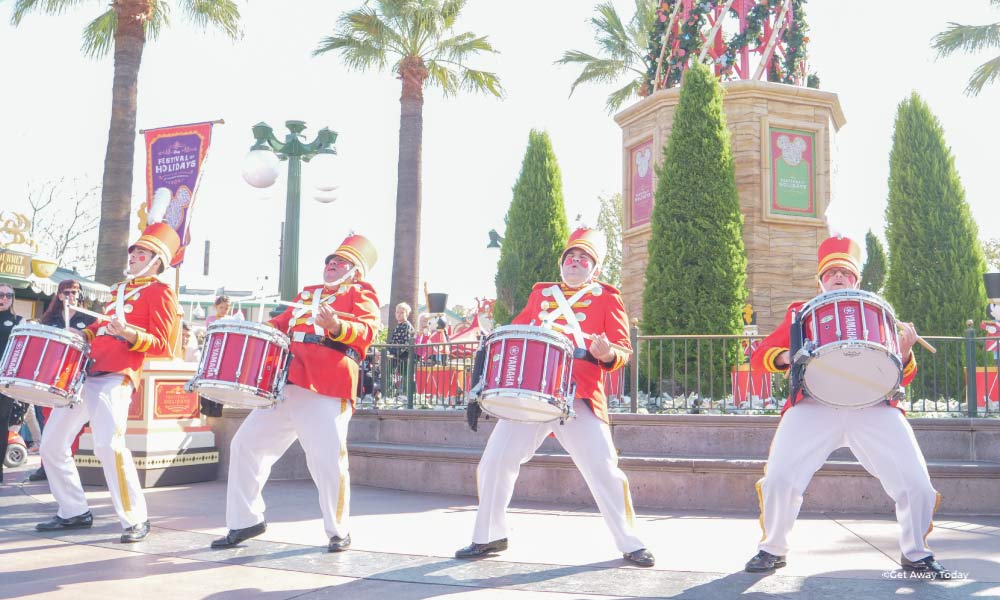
(44, 365)
(243, 364)
(855, 360)
(528, 374)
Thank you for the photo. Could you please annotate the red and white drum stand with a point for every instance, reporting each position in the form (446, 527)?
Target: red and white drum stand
(171, 442)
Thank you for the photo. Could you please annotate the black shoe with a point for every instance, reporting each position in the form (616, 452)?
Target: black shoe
(338, 544)
(84, 521)
(135, 533)
(474, 550)
(38, 475)
(763, 562)
(928, 567)
(641, 557)
(235, 536)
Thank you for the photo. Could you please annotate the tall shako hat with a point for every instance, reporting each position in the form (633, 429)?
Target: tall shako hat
(359, 251)
(161, 240)
(838, 251)
(590, 241)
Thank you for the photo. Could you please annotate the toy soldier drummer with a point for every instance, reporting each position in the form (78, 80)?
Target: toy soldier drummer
(585, 309)
(329, 338)
(143, 320)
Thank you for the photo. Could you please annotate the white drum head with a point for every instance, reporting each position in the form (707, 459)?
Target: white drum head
(852, 374)
(233, 395)
(35, 393)
(523, 406)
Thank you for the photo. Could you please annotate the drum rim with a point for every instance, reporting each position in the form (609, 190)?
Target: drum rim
(7, 382)
(531, 332)
(198, 384)
(55, 334)
(844, 295)
(258, 331)
(564, 409)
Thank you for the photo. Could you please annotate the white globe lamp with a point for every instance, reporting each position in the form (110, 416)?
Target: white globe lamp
(260, 168)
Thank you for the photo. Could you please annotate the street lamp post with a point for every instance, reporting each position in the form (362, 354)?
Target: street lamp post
(260, 170)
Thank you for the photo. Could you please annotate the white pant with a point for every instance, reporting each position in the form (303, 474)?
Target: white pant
(588, 441)
(320, 424)
(883, 443)
(105, 401)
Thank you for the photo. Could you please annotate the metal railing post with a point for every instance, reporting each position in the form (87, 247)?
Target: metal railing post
(410, 376)
(971, 393)
(633, 365)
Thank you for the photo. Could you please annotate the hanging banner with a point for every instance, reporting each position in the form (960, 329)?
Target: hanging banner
(175, 159)
(793, 189)
(641, 183)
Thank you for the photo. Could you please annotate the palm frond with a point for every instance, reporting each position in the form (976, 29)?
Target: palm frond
(482, 82)
(438, 75)
(619, 97)
(358, 54)
(595, 69)
(460, 47)
(640, 28)
(365, 23)
(159, 19)
(611, 34)
(48, 7)
(450, 10)
(99, 34)
(221, 14)
(967, 38)
(986, 73)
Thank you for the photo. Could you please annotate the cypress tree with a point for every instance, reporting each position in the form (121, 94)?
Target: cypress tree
(873, 273)
(696, 274)
(935, 260)
(536, 229)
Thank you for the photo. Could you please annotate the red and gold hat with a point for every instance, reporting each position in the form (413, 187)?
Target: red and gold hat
(161, 240)
(590, 241)
(840, 252)
(359, 250)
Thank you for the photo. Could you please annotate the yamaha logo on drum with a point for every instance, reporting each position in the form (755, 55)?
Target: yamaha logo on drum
(850, 322)
(510, 372)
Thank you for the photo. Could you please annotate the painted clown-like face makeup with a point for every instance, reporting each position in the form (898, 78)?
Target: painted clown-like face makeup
(838, 278)
(139, 259)
(577, 267)
(335, 269)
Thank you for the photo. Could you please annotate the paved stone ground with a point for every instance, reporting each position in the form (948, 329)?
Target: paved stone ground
(404, 541)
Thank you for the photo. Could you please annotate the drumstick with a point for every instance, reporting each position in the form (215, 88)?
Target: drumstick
(589, 336)
(103, 317)
(926, 345)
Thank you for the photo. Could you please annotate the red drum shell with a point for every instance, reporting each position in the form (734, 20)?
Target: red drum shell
(527, 374)
(43, 365)
(242, 364)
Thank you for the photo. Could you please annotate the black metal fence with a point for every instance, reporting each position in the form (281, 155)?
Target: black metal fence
(689, 374)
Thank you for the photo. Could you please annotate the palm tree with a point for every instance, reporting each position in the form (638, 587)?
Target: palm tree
(625, 50)
(415, 40)
(125, 26)
(969, 39)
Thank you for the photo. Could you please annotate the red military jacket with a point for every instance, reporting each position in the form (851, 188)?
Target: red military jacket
(325, 370)
(599, 311)
(780, 339)
(149, 304)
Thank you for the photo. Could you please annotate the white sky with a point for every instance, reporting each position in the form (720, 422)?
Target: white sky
(56, 107)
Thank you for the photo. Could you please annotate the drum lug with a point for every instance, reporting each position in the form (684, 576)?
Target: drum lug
(189, 386)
